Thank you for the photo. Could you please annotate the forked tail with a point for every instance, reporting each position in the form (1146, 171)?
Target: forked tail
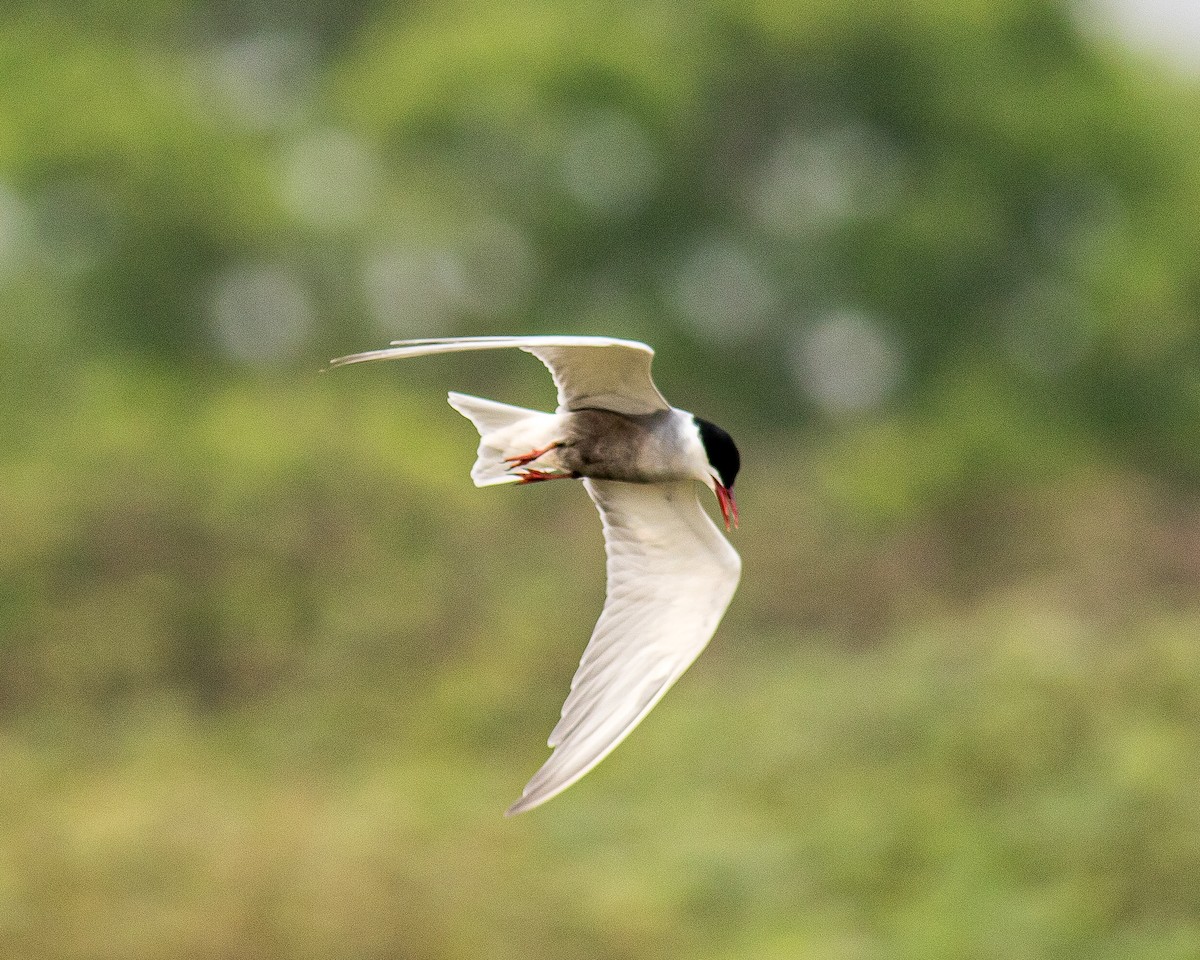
(504, 431)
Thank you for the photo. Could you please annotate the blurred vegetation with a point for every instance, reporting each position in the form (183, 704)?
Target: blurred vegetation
(272, 668)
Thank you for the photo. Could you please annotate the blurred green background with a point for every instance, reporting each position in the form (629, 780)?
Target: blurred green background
(272, 668)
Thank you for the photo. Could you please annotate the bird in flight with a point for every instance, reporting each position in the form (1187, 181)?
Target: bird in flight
(671, 573)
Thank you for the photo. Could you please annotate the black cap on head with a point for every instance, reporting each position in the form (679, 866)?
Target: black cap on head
(722, 452)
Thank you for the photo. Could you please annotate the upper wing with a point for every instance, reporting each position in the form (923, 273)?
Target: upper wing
(588, 371)
(671, 574)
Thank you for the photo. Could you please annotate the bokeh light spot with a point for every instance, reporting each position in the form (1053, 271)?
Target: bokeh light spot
(1169, 29)
(818, 181)
(260, 313)
(500, 267)
(846, 363)
(14, 231)
(260, 81)
(412, 291)
(331, 179)
(725, 291)
(77, 224)
(609, 166)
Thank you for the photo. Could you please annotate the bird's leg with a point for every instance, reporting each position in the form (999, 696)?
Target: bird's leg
(530, 475)
(526, 458)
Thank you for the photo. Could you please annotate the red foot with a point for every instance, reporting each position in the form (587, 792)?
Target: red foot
(529, 475)
(524, 458)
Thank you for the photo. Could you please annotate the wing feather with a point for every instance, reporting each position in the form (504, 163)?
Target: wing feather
(601, 372)
(671, 575)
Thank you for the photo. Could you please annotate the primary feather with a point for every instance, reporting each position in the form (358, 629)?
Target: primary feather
(671, 575)
(588, 371)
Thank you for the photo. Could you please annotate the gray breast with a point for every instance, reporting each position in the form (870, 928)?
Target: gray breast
(614, 446)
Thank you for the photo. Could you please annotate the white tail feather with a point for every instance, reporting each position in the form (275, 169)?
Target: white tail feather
(504, 431)
(489, 415)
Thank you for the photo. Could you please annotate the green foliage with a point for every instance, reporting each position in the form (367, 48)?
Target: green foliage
(272, 667)
(1016, 784)
(982, 182)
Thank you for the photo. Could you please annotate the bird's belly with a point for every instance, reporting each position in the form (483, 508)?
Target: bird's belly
(604, 445)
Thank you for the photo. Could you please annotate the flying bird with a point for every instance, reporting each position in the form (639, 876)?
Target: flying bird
(671, 573)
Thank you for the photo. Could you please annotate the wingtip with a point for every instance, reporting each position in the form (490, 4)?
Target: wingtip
(388, 353)
(534, 795)
(521, 806)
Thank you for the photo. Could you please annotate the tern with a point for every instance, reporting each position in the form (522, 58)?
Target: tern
(671, 572)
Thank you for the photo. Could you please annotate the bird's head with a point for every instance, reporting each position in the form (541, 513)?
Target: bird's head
(723, 465)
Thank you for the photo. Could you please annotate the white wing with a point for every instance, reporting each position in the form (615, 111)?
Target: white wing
(588, 371)
(671, 574)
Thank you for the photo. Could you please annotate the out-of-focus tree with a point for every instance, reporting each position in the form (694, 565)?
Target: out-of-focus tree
(843, 209)
(271, 666)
